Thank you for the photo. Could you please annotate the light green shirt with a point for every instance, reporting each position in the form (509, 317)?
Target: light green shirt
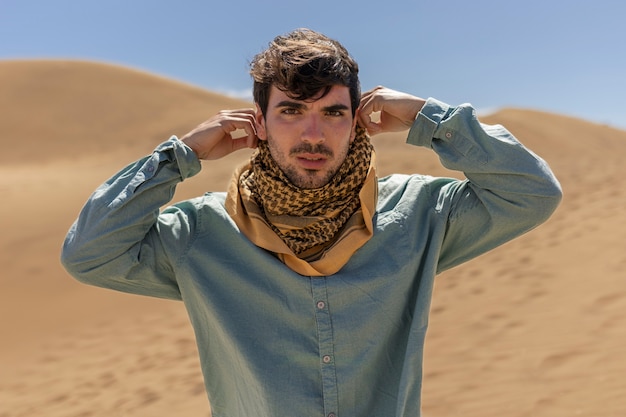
(274, 343)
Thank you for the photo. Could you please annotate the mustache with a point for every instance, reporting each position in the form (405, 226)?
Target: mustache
(308, 148)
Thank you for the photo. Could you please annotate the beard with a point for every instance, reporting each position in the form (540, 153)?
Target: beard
(308, 178)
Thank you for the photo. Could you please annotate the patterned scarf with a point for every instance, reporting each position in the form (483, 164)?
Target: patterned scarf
(307, 228)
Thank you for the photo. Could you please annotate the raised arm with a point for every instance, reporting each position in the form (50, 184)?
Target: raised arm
(121, 240)
(509, 190)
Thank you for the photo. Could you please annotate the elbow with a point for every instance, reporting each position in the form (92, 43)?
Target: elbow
(543, 206)
(69, 253)
(548, 206)
(553, 198)
(71, 262)
(545, 195)
(75, 259)
(87, 270)
(535, 208)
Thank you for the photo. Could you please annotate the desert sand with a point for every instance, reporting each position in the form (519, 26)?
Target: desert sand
(535, 328)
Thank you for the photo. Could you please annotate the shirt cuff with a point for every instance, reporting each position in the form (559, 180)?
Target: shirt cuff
(427, 121)
(174, 150)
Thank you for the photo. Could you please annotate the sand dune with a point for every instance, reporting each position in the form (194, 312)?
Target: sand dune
(534, 328)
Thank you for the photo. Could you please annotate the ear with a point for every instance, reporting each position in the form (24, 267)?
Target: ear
(354, 122)
(261, 130)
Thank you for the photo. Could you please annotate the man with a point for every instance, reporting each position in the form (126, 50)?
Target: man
(308, 283)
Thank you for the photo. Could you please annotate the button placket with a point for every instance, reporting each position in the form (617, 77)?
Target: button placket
(326, 345)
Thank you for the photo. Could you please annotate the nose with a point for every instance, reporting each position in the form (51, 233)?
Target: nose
(312, 131)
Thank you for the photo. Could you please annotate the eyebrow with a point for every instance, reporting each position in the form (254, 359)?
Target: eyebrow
(293, 104)
(298, 105)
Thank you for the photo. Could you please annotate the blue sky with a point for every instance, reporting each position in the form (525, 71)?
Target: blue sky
(566, 57)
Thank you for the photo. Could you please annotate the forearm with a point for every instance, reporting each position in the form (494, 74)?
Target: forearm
(105, 242)
(486, 154)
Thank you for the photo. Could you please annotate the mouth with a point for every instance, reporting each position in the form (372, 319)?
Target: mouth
(311, 161)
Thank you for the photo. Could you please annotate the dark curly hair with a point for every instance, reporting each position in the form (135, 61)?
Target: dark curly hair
(303, 64)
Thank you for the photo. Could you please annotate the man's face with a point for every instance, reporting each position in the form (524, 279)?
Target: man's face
(309, 140)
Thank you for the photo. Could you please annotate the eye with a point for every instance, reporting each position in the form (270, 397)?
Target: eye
(289, 110)
(335, 113)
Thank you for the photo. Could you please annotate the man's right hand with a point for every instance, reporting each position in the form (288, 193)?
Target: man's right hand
(213, 138)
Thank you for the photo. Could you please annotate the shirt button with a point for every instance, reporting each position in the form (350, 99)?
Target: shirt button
(321, 304)
(448, 135)
(326, 358)
(331, 414)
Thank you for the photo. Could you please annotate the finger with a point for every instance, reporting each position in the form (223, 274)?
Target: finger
(239, 124)
(244, 142)
(245, 137)
(369, 114)
(244, 133)
(372, 92)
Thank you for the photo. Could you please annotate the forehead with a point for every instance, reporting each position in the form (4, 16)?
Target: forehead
(338, 94)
